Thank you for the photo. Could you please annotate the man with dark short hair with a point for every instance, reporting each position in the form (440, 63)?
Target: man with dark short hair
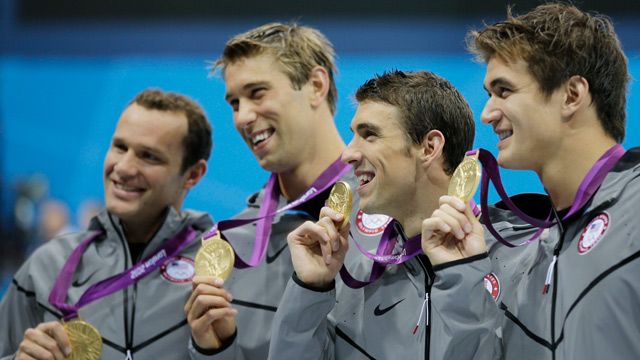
(411, 129)
(141, 246)
(557, 80)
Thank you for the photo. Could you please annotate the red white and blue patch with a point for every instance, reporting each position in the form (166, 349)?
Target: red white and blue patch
(492, 284)
(593, 233)
(373, 224)
(178, 269)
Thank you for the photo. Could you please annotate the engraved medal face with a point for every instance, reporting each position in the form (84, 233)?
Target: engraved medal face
(340, 200)
(86, 342)
(465, 180)
(215, 258)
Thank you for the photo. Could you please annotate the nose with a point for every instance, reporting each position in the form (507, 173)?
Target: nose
(490, 113)
(125, 165)
(352, 155)
(245, 115)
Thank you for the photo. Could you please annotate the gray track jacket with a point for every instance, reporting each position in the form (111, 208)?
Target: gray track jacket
(257, 291)
(592, 308)
(149, 314)
(374, 322)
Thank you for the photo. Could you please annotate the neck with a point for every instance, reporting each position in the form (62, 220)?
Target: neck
(563, 175)
(141, 232)
(296, 181)
(425, 201)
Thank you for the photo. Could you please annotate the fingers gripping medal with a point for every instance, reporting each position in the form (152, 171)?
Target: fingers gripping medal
(465, 180)
(215, 258)
(340, 200)
(86, 342)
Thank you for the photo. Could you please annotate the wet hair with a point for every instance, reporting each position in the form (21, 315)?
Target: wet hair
(296, 48)
(426, 102)
(558, 41)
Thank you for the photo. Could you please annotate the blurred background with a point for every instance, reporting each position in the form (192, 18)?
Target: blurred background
(68, 68)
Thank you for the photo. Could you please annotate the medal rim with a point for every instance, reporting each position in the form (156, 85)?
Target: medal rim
(457, 175)
(208, 244)
(71, 327)
(349, 201)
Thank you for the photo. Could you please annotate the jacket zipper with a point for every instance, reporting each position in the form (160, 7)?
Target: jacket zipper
(428, 282)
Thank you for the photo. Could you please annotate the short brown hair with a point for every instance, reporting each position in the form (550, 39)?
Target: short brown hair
(427, 102)
(559, 41)
(298, 49)
(197, 143)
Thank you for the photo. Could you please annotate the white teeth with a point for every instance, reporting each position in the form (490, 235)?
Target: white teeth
(364, 178)
(261, 136)
(125, 188)
(504, 134)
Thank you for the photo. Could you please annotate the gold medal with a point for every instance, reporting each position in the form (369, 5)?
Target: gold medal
(215, 258)
(465, 180)
(86, 342)
(340, 200)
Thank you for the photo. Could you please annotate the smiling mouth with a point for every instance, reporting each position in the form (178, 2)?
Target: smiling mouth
(127, 188)
(364, 178)
(260, 136)
(504, 134)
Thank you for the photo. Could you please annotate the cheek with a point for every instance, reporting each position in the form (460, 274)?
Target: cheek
(109, 163)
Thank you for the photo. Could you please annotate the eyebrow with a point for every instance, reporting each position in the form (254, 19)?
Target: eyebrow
(496, 82)
(156, 151)
(367, 126)
(247, 86)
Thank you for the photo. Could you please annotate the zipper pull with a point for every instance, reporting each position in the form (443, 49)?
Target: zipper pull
(129, 356)
(547, 281)
(424, 303)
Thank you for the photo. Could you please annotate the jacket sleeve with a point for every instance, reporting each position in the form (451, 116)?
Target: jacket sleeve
(301, 328)
(464, 315)
(227, 351)
(18, 312)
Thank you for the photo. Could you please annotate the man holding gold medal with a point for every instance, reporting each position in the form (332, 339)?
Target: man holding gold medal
(411, 130)
(280, 84)
(117, 290)
(556, 79)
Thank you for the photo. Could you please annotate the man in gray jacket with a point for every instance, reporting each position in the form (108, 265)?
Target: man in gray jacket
(280, 85)
(557, 80)
(142, 241)
(411, 130)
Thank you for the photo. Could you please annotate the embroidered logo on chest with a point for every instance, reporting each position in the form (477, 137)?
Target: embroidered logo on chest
(492, 284)
(593, 233)
(371, 224)
(178, 269)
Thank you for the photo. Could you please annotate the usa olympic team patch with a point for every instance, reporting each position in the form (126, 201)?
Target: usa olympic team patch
(373, 224)
(492, 284)
(593, 233)
(178, 269)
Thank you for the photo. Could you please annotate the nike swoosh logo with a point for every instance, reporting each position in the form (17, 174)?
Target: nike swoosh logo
(379, 312)
(78, 283)
(273, 258)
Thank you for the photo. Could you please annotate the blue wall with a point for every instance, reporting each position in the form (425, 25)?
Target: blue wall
(58, 115)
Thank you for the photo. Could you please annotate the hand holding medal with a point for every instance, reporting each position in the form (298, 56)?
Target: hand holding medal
(453, 232)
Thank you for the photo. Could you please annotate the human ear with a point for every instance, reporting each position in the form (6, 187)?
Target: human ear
(319, 83)
(194, 174)
(576, 95)
(432, 147)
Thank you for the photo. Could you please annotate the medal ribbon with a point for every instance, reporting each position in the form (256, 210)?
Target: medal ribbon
(268, 210)
(383, 256)
(587, 188)
(108, 286)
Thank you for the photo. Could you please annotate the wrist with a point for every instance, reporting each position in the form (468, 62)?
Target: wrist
(318, 286)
